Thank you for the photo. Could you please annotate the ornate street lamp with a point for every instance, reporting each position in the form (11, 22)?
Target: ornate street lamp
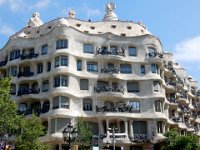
(113, 130)
(69, 133)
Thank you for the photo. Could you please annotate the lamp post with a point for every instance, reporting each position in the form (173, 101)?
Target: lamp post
(113, 135)
(69, 133)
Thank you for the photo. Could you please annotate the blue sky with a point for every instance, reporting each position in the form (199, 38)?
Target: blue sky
(175, 22)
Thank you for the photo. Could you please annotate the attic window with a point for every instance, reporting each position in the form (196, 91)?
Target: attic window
(38, 31)
(86, 31)
(113, 26)
(123, 34)
(78, 25)
(41, 34)
(99, 32)
(92, 28)
(142, 31)
(28, 32)
(129, 27)
(49, 27)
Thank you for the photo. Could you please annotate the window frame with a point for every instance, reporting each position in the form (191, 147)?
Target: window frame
(84, 87)
(126, 69)
(88, 105)
(39, 68)
(92, 66)
(44, 49)
(135, 88)
(61, 44)
(88, 48)
(132, 51)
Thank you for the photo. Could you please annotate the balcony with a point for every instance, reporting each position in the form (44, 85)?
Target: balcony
(29, 56)
(175, 118)
(110, 70)
(110, 108)
(3, 63)
(141, 138)
(154, 54)
(25, 74)
(171, 83)
(107, 88)
(115, 52)
(26, 91)
(172, 99)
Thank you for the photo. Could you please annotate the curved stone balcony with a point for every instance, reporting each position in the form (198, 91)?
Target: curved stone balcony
(115, 52)
(126, 108)
(29, 56)
(141, 138)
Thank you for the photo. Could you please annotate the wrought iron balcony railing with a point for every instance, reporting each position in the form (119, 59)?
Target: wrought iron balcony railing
(105, 51)
(29, 56)
(26, 91)
(125, 108)
(25, 74)
(141, 138)
(108, 88)
(110, 70)
(154, 54)
(3, 63)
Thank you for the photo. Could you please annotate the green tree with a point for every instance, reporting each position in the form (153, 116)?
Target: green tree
(8, 111)
(84, 134)
(31, 131)
(175, 141)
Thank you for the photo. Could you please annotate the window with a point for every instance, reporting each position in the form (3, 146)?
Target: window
(152, 52)
(139, 127)
(39, 68)
(60, 44)
(154, 68)
(15, 54)
(61, 61)
(125, 68)
(114, 50)
(142, 68)
(88, 48)
(92, 67)
(158, 106)
(160, 127)
(56, 102)
(13, 70)
(61, 80)
(87, 104)
(132, 51)
(64, 102)
(48, 66)
(135, 106)
(57, 61)
(156, 86)
(83, 84)
(132, 87)
(44, 49)
(60, 102)
(79, 65)
(45, 86)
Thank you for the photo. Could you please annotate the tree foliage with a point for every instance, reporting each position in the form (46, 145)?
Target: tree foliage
(32, 129)
(84, 134)
(179, 142)
(8, 111)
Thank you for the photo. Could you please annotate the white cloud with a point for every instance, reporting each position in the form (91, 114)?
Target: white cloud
(42, 4)
(90, 12)
(188, 51)
(93, 12)
(7, 31)
(2, 2)
(17, 5)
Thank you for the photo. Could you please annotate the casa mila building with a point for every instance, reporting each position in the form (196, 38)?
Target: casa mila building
(113, 73)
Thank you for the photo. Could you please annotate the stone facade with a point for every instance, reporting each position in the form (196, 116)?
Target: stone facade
(112, 73)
